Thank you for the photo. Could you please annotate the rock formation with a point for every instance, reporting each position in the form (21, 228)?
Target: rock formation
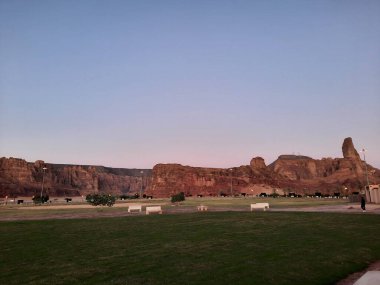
(257, 164)
(289, 173)
(21, 178)
(169, 179)
(349, 150)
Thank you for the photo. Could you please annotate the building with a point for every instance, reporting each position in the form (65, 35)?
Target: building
(372, 193)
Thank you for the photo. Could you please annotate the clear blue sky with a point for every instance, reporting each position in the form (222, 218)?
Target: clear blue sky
(202, 83)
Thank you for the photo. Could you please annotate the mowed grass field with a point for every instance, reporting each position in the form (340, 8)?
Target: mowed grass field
(191, 248)
(14, 211)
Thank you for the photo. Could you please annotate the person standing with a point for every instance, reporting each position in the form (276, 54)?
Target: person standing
(362, 204)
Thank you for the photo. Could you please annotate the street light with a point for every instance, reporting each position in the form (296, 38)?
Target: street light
(43, 179)
(142, 172)
(365, 164)
(231, 180)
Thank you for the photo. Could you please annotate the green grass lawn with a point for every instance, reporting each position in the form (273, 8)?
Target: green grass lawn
(195, 248)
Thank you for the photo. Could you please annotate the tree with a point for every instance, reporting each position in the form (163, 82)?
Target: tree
(178, 197)
(40, 199)
(101, 199)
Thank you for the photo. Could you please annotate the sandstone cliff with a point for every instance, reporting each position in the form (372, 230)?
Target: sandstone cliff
(289, 173)
(21, 178)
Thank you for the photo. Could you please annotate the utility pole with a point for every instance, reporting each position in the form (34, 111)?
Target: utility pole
(43, 179)
(142, 172)
(231, 180)
(365, 164)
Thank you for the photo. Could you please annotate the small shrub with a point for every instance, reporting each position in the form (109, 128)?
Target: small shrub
(127, 197)
(123, 197)
(178, 197)
(40, 199)
(101, 199)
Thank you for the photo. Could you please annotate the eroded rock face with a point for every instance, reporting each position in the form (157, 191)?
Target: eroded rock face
(294, 167)
(21, 178)
(289, 173)
(257, 163)
(349, 150)
(169, 179)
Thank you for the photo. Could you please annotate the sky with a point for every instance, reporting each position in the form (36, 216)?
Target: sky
(202, 83)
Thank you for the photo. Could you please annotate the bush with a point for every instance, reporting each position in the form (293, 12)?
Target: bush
(126, 197)
(40, 199)
(178, 197)
(101, 199)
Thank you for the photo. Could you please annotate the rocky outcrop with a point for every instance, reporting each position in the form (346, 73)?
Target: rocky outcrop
(349, 150)
(257, 164)
(289, 173)
(21, 178)
(169, 179)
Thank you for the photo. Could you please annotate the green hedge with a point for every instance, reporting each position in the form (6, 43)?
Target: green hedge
(178, 197)
(101, 199)
(40, 199)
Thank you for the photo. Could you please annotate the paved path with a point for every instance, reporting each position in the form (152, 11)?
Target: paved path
(355, 277)
(351, 208)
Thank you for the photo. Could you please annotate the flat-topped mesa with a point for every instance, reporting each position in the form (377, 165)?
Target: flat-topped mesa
(293, 157)
(296, 167)
(349, 150)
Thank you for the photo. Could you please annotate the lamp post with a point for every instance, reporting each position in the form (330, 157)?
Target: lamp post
(231, 180)
(365, 164)
(142, 172)
(43, 180)
(345, 191)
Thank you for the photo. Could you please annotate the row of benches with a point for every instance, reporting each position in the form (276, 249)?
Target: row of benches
(158, 209)
(148, 209)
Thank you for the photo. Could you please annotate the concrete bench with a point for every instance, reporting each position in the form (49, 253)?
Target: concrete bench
(202, 208)
(134, 208)
(153, 209)
(263, 206)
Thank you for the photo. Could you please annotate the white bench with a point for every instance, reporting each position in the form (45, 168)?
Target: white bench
(263, 206)
(134, 208)
(153, 209)
(202, 208)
